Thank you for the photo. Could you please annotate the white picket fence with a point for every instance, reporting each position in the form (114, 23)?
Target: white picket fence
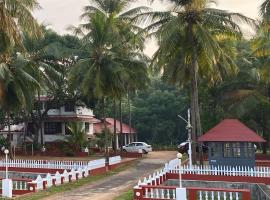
(151, 188)
(54, 164)
(44, 164)
(222, 170)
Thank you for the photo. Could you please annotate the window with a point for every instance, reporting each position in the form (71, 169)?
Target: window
(236, 150)
(52, 128)
(86, 127)
(67, 131)
(232, 149)
(131, 145)
(214, 149)
(250, 150)
(69, 107)
(52, 105)
(139, 144)
(227, 150)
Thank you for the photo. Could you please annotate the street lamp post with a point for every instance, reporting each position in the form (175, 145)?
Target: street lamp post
(6, 153)
(179, 156)
(188, 127)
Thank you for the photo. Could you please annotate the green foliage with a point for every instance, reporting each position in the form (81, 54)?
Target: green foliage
(104, 139)
(3, 142)
(77, 136)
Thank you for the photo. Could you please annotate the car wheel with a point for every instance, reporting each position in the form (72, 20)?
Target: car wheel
(144, 152)
(124, 150)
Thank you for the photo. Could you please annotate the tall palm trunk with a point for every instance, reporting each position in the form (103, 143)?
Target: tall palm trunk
(40, 127)
(121, 124)
(195, 110)
(129, 113)
(9, 136)
(114, 127)
(105, 132)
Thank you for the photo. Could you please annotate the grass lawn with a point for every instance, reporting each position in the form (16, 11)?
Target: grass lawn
(126, 196)
(73, 185)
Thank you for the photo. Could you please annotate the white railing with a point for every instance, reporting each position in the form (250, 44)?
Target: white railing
(207, 195)
(160, 193)
(44, 164)
(222, 171)
(17, 184)
(114, 160)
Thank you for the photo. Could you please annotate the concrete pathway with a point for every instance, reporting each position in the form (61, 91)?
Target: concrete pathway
(111, 187)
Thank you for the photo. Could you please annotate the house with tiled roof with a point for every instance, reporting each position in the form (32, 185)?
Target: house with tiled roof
(127, 136)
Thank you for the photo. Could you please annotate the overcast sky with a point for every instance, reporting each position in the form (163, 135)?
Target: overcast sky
(61, 13)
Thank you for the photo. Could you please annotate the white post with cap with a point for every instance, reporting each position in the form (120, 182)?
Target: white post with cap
(7, 183)
(181, 193)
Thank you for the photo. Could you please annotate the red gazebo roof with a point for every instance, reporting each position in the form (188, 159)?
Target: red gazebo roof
(230, 130)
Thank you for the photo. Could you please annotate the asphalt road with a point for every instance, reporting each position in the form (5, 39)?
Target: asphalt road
(111, 187)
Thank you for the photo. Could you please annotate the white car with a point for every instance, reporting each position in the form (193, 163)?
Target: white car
(137, 147)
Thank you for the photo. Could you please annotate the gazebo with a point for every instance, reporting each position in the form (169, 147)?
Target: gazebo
(231, 143)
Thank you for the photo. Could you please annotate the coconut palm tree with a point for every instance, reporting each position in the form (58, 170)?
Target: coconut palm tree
(188, 36)
(16, 18)
(19, 86)
(265, 10)
(107, 33)
(77, 136)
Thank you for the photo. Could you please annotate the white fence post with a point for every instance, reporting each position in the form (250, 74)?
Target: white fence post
(181, 194)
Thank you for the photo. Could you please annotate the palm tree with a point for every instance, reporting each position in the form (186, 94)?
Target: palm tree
(265, 10)
(107, 32)
(16, 18)
(189, 49)
(52, 55)
(19, 86)
(77, 135)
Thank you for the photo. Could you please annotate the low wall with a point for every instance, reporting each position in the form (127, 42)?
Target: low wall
(263, 163)
(131, 155)
(98, 171)
(260, 156)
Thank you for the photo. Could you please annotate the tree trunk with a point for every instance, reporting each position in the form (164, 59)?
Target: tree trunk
(192, 102)
(195, 110)
(105, 132)
(121, 122)
(129, 114)
(40, 121)
(9, 136)
(114, 127)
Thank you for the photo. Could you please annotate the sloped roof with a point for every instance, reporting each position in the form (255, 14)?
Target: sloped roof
(230, 130)
(98, 127)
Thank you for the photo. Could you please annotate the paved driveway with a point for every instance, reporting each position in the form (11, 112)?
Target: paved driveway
(113, 186)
